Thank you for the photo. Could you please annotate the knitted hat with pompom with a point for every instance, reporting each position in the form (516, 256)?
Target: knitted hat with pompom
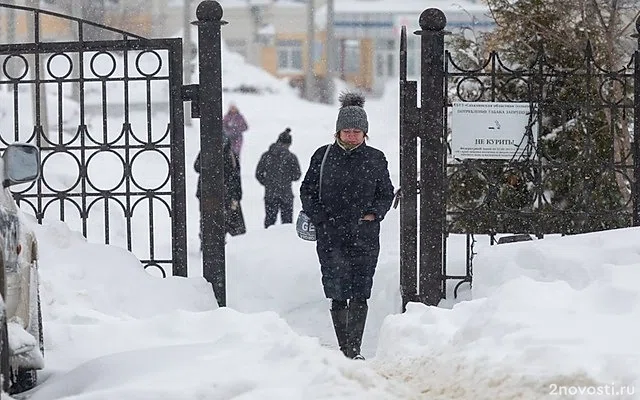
(285, 137)
(351, 114)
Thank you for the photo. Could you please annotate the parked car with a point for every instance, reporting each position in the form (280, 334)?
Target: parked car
(21, 338)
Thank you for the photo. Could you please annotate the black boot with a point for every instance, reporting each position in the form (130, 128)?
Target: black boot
(357, 320)
(340, 317)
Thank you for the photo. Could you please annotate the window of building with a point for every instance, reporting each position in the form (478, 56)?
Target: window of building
(386, 59)
(351, 50)
(289, 55)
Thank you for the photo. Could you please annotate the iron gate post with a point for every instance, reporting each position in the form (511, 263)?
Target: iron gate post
(409, 128)
(178, 197)
(636, 128)
(209, 14)
(432, 207)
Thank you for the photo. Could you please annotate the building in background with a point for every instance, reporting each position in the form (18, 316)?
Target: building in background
(367, 35)
(273, 34)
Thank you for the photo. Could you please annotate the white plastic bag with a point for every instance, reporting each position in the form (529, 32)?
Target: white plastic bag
(305, 228)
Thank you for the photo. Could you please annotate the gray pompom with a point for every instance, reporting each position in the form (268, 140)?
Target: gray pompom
(348, 99)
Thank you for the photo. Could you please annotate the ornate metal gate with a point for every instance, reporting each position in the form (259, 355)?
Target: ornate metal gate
(104, 114)
(573, 169)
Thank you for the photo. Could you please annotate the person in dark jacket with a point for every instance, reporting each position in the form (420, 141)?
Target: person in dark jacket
(277, 169)
(233, 189)
(356, 195)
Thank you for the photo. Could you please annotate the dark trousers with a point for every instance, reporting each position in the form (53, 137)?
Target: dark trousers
(273, 205)
(348, 258)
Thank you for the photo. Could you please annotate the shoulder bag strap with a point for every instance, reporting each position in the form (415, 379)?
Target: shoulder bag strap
(321, 171)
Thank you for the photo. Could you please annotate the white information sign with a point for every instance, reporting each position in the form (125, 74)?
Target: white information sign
(487, 130)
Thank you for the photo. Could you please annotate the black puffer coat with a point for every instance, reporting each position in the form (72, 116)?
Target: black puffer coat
(232, 180)
(354, 183)
(277, 168)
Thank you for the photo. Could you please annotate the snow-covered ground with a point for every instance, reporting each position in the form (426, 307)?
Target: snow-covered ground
(551, 318)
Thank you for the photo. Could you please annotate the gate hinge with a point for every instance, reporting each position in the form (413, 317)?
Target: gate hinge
(190, 93)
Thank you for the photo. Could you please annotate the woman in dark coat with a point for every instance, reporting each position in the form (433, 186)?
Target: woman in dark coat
(234, 221)
(356, 195)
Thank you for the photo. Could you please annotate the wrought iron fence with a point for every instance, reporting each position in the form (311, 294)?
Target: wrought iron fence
(571, 168)
(104, 113)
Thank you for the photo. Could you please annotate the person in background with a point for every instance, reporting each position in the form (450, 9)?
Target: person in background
(356, 195)
(234, 220)
(277, 169)
(234, 125)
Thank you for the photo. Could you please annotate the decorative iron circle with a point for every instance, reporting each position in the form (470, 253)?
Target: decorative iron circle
(153, 197)
(80, 130)
(139, 67)
(471, 188)
(612, 178)
(470, 88)
(110, 138)
(69, 66)
(517, 190)
(551, 179)
(156, 173)
(23, 136)
(26, 201)
(6, 67)
(62, 201)
(506, 91)
(101, 164)
(101, 200)
(92, 64)
(26, 187)
(154, 137)
(608, 91)
(561, 87)
(562, 148)
(113, 140)
(48, 181)
(156, 266)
